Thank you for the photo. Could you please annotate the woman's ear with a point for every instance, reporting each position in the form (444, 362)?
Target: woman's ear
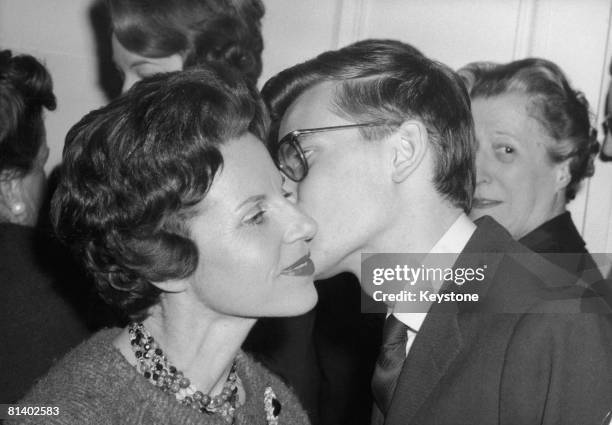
(14, 205)
(409, 144)
(563, 174)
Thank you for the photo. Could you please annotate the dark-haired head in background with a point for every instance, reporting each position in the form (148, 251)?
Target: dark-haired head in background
(170, 35)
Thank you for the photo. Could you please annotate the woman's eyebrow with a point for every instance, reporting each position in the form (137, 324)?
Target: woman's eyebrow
(254, 198)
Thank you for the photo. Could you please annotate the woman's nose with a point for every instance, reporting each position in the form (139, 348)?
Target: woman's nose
(482, 167)
(302, 227)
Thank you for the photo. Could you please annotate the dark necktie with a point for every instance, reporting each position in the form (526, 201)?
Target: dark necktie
(389, 363)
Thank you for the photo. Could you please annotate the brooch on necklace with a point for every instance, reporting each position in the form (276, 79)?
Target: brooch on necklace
(272, 406)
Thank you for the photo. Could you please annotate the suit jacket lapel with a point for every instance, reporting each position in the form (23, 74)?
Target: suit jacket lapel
(440, 338)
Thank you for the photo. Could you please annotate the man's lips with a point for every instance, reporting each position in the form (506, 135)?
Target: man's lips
(482, 203)
(302, 267)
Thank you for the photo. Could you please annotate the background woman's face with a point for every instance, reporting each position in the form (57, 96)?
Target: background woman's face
(252, 239)
(134, 67)
(516, 180)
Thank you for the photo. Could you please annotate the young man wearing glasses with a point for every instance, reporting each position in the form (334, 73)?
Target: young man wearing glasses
(379, 140)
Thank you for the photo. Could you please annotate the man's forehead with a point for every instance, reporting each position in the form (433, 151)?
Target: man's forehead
(313, 108)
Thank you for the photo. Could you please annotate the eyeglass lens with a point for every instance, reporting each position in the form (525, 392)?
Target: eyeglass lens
(290, 159)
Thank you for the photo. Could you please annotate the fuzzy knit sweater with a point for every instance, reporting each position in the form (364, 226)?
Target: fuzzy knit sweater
(94, 384)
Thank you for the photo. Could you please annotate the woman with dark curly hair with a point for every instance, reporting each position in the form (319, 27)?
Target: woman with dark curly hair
(536, 145)
(169, 35)
(172, 202)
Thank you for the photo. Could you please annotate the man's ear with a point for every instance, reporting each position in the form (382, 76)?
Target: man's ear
(563, 175)
(410, 143)
(14, 200)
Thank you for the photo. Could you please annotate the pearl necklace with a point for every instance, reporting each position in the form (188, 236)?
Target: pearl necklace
(153, 365)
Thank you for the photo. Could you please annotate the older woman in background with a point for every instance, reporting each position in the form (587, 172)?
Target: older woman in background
(536, 145)
(170, 35)
(38, 324)
(172, 202)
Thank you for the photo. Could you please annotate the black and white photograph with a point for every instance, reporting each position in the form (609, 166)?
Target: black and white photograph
(306, 212)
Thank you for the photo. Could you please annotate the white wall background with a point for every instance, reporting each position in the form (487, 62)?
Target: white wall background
(574, 33)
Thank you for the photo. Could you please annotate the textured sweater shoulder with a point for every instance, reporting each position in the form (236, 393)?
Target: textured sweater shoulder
(94, 384)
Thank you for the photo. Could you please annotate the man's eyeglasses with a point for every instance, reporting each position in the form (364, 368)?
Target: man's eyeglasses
(290, 157)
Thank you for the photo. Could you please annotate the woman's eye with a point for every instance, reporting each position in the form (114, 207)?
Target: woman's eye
(505, 153)
(258, 218)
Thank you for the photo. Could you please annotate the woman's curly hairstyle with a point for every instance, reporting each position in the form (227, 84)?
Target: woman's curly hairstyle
(562, 111)
(25, 88)
(133, 171)
(202, 31)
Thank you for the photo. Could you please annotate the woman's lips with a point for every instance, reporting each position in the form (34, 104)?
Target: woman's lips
(302, 267)
(482, 203)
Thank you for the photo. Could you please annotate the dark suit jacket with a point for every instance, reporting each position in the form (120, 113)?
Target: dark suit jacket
(475, 366)
(39, 318)
(560, 243)
(560, 236)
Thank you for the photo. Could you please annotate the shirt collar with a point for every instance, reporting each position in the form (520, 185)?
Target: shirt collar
(456, 237)
(453, 241)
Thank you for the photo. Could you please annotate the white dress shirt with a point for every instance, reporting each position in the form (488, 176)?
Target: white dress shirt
(453, 241)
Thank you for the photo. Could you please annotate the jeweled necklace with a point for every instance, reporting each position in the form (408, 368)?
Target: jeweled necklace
(154, 366)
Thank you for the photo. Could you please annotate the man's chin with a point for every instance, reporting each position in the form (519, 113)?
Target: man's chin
(326, 270)
(323, 274)
(323, 269)
(329, 264)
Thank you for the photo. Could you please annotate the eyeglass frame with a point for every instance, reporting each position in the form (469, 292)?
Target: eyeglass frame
(292, 138)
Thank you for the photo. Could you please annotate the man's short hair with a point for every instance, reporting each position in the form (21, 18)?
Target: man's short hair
(390, 81)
